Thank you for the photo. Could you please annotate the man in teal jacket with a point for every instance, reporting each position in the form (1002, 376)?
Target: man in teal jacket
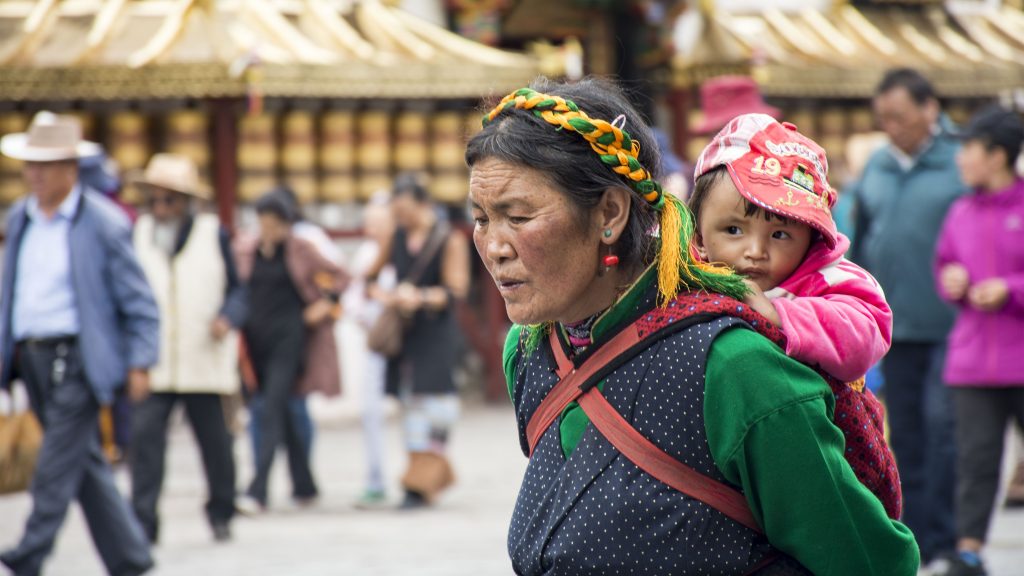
(902, 199)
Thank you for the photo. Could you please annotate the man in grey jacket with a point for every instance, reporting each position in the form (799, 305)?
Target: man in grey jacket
(902, 199)
(77, 320)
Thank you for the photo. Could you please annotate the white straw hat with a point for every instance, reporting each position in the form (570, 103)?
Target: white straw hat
(50, 138)
(173, 172)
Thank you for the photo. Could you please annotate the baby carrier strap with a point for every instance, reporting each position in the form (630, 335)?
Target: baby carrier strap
(579, 384)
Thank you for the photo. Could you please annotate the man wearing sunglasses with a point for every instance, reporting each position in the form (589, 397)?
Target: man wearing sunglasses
(186, 256)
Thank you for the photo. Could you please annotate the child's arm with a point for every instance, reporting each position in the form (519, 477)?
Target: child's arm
(845, 328)
(951, 277)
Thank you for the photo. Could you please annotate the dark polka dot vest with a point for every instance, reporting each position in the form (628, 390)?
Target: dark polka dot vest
(596, 512)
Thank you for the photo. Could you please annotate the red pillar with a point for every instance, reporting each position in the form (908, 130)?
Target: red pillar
(225, 169)
(680, 102)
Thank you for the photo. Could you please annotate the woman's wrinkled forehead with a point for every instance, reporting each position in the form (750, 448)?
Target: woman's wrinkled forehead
(496, 184)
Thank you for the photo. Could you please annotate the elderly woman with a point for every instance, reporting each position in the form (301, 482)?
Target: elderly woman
(666, 433)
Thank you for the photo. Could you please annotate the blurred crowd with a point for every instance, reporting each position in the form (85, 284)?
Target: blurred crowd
(117, 317)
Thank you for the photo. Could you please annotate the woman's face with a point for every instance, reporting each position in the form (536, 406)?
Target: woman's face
(533, 244)
(406, 210)
(273, 230)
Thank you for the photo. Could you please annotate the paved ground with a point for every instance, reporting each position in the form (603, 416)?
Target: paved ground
(465, 535)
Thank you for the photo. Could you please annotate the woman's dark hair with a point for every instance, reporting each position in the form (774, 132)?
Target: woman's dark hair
(411, 184)
(566, 158)
(919, 88)
(279, 204)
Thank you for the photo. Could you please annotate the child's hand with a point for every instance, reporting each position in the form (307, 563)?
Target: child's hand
(760, 303)
(955, 280)
(989, 295)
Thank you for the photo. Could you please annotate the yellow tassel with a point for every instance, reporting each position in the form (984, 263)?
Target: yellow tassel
(670, 259)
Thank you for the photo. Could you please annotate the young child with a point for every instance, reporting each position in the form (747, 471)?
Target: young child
(762, 205)
(979, 268)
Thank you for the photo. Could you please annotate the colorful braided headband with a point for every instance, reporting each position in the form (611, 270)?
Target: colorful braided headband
(613, 144)
(620, 152)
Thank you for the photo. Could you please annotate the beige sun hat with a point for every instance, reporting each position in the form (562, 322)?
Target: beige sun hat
(50, 138)
(173, 172)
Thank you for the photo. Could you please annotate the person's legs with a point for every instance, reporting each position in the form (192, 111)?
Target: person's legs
(904, 368)
(276, 382)
(1015, 491)
(298, 408)
(940, 468)
(70, 464)
(119, 538)
(298, 438)
(255, 422)
(981, 415)
(206, 413)
(373, 423)
(146, 458)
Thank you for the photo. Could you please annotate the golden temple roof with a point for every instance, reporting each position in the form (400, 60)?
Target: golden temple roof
(144, 49)
(843, 52)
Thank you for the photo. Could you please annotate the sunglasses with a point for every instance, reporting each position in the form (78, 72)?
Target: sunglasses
(162, 200)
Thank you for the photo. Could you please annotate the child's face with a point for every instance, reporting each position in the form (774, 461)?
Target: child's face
(766, 251)
(977, 163)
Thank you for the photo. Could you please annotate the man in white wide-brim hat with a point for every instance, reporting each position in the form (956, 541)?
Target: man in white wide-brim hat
(186, 255)
(77, 322)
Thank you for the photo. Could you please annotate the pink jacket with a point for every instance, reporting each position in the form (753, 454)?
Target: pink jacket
(833, 313)
(985, 233)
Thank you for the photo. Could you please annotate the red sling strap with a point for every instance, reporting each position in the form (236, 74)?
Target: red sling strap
(621, 434)
(662, 466)
(571, 379)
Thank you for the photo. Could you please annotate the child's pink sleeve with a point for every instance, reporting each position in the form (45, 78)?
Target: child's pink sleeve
(945, 253)
(843, 324)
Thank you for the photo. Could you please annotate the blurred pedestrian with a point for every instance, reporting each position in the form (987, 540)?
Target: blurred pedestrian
(297, 404)
(980, 269)
(666, 433)
(289, 335)
(725, 97)
(902, 197)
(77, 321)
(378, 226)
(188, 261)
(431, 262)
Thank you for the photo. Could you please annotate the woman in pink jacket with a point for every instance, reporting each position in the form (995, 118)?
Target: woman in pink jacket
(762, 205)
(980, 269)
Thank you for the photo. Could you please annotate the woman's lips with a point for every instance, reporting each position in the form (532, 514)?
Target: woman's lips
(508, 285)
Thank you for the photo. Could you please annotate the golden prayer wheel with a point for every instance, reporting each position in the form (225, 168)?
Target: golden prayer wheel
(473, 123)
(298, 154)
(447, 158)
(87, 121)
(696, 145)
(373, 153)
(257, 156)
(12, 185)
(128, 145)
(804, 120)
(411, 141)
(959, 113)
(188, 135)
(338, 156)
(862, 120)
(832, 122)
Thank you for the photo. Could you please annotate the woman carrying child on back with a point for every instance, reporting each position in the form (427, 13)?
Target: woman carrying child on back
(762, 205)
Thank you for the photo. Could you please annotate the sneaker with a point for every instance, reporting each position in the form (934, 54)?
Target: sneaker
(248, 506)
(413, 501)
(371, 500)
(964, 564)
(221, 531)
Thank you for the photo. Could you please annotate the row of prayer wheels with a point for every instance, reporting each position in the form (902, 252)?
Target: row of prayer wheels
(326, 156)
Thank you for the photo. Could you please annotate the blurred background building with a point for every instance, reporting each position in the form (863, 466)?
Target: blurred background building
(334, 97)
